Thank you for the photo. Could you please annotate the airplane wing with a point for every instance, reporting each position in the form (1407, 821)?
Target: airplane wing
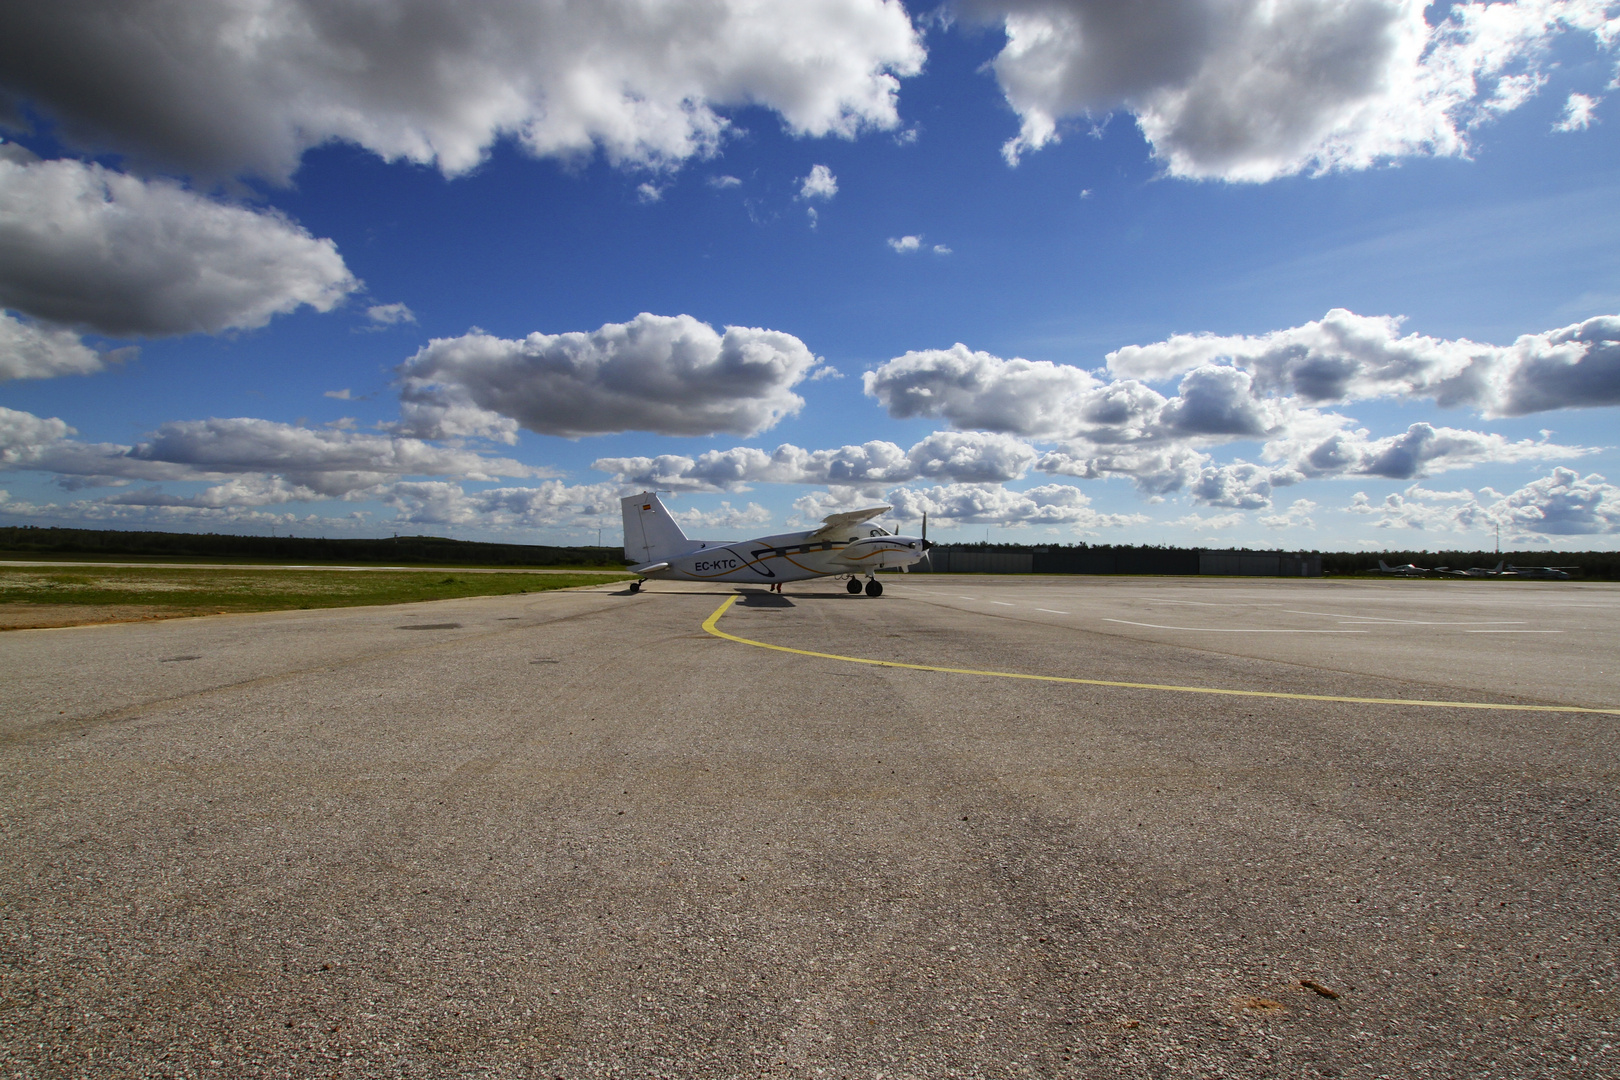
(832, 523)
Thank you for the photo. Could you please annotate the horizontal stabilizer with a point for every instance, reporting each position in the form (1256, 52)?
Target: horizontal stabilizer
(649, 568)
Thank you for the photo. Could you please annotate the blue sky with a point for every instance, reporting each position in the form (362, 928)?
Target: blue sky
(1308, 274)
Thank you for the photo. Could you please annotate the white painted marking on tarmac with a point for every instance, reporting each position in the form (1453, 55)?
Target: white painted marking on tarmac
(1194, 603)
(1230, 629)
(1515, 631)
(1003, 603)
(1051, 611)
(1406, 622)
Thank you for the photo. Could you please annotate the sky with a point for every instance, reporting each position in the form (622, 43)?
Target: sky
(1301, 274)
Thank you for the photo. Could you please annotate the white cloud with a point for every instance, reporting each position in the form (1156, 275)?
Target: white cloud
(978, 390)
(1252, 91)
(820, 184)
(1260, 390)
(905, 244)
(723, 182)
(1297, 516)
(1349, 357)
(84, 246)
(726, 517)
(390, 314)
(1197, 523)
(963, 457)
(1563, 503)
(438, 81)
(341, 395)
(1578, 113)
(941, 249)
(552, 503)
(1421, 450)
(648, 192)
(667, 374)
(31, 351)
(159, 514)
(980, 504)
(328, 463)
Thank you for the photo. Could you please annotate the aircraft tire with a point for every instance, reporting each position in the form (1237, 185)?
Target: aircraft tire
(854, 586)
(874, 587)
(635, 586)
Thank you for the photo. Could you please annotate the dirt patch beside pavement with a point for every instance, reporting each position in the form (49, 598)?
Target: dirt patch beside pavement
(42, 616)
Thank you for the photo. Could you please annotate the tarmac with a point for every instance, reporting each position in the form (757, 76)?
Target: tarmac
(978, 826)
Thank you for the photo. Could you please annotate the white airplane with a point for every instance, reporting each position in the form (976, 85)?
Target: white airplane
(845, 545)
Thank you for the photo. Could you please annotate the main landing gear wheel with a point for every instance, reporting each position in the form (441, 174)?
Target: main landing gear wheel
(635, 586)
(873, 587)
(854, 586)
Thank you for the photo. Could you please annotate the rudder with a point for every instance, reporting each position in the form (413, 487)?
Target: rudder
(650, 533)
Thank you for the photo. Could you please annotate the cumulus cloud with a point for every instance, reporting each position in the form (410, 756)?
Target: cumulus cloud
(550, 504)
(1563, 503)
(1297, 516)
(983, 504)
(1265, 390)
(1348, 357)
(390, 314)
(905, 244)
(964, 457)
(949, 505)
(1578, 113)
(31, 351)
(438, 82)
(1197, 523)
(978, 390)
(820, 184)
(726, 517)
(83, 246)
(327, 463)
(159, 513)
(1253, 91)
(672, 375)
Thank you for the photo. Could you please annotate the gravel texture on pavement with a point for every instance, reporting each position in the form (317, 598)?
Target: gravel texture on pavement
(574, 835)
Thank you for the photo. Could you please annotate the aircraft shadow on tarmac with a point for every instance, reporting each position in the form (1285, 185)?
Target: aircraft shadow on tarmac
(764, 599)
(750, 598)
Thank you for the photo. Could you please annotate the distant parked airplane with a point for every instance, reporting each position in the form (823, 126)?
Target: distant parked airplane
(844, 545)
(1402, 571)
(1554, 573)
(1472, 571)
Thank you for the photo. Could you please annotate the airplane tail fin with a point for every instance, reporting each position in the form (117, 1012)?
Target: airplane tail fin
(1383, 566)
(650, 533)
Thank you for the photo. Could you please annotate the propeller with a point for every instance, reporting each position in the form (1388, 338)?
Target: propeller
(926, 545)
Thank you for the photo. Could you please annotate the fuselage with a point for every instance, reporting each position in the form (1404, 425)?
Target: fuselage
(858, 549)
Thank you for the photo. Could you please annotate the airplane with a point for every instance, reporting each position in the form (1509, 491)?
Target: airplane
(845, 545)
(1554, 573)
(1409, 570)
(1473, 571)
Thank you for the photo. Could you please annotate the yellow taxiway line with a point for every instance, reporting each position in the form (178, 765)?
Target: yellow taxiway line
(712, 625)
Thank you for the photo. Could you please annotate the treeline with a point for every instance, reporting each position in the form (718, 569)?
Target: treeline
(1591, 565)
(421, 550)
(440, 550)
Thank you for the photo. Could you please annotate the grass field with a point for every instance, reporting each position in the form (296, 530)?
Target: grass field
(41, 596)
